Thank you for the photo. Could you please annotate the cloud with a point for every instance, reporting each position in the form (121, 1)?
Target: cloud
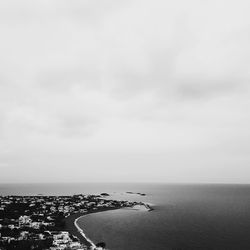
(90, 76)
(64, 79)
(4, 165)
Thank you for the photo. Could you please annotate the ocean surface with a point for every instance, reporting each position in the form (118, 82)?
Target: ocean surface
(185, 216)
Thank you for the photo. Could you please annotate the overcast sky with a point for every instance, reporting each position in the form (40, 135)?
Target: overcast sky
(125, 91)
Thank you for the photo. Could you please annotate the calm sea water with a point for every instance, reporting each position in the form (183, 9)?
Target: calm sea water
(185, 216)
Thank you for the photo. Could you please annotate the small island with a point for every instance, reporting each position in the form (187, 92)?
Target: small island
(141, 194)
(105, 194)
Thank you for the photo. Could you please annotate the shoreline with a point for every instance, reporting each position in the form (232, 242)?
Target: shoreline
(82, 233)
(73, 228)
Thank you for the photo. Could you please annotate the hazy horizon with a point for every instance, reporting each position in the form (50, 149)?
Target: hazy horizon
(124, 182)
(135, 91)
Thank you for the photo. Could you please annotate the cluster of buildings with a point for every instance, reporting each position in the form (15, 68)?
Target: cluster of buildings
(38, 222)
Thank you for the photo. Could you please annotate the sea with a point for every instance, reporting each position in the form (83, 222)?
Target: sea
(185, 216)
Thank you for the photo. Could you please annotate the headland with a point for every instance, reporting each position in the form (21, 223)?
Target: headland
(51, 221)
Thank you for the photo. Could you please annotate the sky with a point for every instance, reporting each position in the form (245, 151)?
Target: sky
(125, 91)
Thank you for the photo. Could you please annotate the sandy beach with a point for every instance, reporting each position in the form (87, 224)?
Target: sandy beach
(91, 243)
(72, 227)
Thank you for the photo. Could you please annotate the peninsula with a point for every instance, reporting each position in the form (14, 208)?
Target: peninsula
(50, 222)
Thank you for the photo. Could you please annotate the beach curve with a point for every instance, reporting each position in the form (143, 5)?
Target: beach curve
(82, 233)
(73, 227)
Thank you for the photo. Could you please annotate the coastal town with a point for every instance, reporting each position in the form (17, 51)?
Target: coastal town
(40, 222)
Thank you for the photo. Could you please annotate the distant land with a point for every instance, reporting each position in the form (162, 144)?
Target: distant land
(129, 192)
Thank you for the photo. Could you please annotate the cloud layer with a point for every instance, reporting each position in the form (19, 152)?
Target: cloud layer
(142, 90)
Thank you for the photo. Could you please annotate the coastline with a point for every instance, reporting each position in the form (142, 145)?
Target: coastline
(82, 233)
(72, 227)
